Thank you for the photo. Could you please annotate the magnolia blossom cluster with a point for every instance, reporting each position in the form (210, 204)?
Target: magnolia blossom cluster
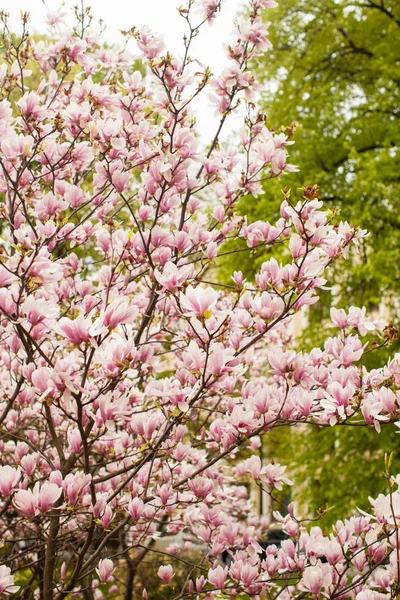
(136, 388)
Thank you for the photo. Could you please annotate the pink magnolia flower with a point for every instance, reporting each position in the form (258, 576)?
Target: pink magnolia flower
(7, 581)
(387, 399)
(201, 487)
(371, 595)
(149, 44)
(107, 516)
(120, 180)
(5, 276)
(253, 466)
(339, 317)
(194, 358)
(165, 573)
(297, 246)
(210, 8)
(198, 302)
(28, 463)
(273, 474)
(105, 570)
(40, 499)
(76, 331)
(49, 206)
(75, 485)
(266, 306)
(338, 398)
(356, 318)
(15, 146)
(245, 573)
(217, 576)
(173, 277)
(42, 380)
(9, 478)
(111, 410)
(371, 410)
(55, 17)
(119, 311)
(221, 360)
(136, 508)
(29, 106)
(316, 578)
(200, 583)
(228, 534)
(265, 3)
(26, 502)
(74, 440)
(254, 31)
(48, 495)
(37, 310)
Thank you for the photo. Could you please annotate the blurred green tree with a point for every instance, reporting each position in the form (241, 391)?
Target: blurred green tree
(335, 71)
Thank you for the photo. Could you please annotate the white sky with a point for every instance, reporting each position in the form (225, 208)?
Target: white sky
(162, 17)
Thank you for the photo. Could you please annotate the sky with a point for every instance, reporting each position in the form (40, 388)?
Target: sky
(162, 17)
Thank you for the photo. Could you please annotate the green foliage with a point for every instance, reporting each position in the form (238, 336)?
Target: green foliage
(337, 468)
(335, 71)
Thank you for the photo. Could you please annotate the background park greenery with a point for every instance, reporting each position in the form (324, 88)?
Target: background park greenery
(335, 71)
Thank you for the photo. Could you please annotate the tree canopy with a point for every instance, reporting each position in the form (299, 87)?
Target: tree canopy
(335, 70)
(333, 77)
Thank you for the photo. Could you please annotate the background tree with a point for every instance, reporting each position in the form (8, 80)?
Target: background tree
(334, 69)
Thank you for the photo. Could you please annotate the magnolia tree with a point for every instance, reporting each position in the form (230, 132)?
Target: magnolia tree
(135, 390)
